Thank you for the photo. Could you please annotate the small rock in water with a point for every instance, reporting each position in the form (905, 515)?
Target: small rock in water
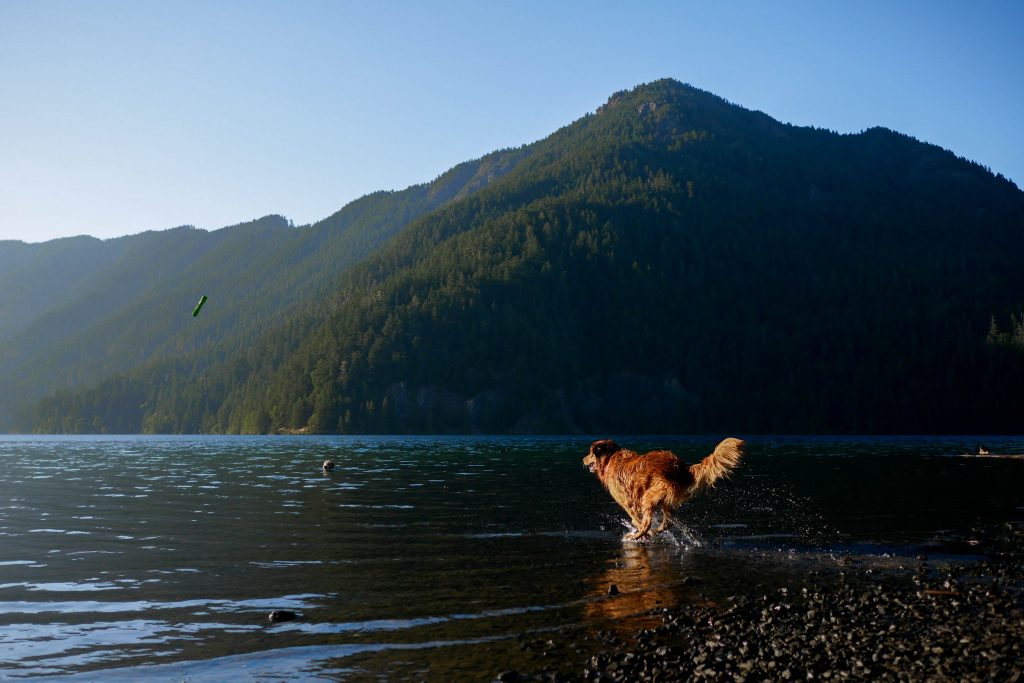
(613, 589)
(282, 615)
(328, 465)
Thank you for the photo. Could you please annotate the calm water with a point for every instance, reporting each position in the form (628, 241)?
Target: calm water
(445, 558)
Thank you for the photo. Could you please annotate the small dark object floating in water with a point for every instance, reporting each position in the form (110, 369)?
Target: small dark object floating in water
(282, 615)
(613, 589)
(199, 306)
(328, 466)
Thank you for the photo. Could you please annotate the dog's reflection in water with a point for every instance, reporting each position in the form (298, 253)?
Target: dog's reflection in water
(645, 577)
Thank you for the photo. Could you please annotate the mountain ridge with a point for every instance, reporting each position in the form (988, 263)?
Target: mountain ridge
(774, 245)
(46, 336)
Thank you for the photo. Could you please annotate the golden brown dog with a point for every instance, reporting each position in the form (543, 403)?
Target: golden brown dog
(644, 483)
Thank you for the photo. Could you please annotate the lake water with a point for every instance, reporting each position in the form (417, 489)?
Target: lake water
(159, 558)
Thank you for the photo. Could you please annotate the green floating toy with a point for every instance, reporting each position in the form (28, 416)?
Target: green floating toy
(202, 300)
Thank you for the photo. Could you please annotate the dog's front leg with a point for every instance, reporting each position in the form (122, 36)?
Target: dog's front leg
(644, 526)
(650, 501)
(636, 524)
(641, 525)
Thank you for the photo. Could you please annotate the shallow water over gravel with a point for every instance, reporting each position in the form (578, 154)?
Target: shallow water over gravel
(442, 557)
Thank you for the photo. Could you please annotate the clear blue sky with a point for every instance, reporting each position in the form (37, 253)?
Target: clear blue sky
(118, 117)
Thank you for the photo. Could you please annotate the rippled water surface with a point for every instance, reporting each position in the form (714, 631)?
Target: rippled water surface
(159, 558)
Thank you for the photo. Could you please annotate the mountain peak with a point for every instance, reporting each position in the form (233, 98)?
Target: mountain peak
(660, 92)
(671, 110)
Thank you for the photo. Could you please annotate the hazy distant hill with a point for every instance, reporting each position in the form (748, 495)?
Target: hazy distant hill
(74, 311)
(672, 262)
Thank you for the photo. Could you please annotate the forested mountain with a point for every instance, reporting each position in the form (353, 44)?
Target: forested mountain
(75, 311)
(670, 263)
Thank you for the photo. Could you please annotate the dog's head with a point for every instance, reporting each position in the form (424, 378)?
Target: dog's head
(599, 451)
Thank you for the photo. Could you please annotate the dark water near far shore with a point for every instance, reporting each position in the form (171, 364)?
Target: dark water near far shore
(440, 558)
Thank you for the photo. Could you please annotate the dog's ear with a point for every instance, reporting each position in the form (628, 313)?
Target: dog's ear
(604, 448)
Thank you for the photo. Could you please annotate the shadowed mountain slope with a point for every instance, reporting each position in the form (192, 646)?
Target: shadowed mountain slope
(671, 263)
(75, 311)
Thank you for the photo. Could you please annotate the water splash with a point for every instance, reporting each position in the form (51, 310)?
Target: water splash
(677, 534)
(688, 538)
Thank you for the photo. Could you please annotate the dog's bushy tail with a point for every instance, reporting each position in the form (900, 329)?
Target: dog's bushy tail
(718, 465)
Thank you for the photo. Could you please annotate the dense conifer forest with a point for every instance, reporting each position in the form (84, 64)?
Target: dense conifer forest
(669, 263)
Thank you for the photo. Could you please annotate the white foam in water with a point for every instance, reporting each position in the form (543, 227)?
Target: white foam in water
(683, 538)
(689, 538)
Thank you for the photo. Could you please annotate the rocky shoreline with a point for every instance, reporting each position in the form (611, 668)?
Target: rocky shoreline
(919, 621)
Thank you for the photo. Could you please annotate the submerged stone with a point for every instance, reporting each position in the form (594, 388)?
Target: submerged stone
(282, 615)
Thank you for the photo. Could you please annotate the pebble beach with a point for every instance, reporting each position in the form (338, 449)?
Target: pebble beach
(921, 619)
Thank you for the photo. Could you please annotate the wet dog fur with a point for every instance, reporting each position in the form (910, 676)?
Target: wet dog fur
(645, 483)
